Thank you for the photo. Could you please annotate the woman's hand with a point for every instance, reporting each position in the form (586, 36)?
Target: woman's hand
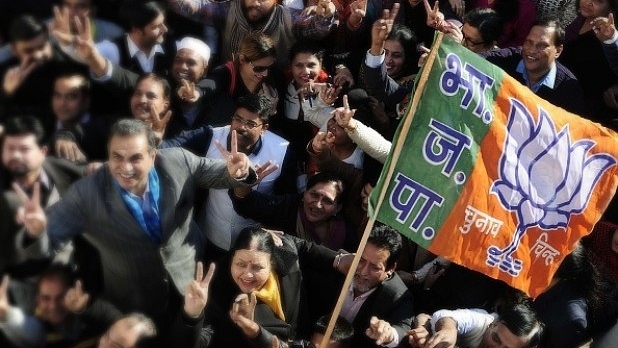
(322, 141)
(242, 314)
(196, 293)
(603, 27)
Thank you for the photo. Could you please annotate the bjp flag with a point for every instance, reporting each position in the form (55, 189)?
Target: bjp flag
(490, 176)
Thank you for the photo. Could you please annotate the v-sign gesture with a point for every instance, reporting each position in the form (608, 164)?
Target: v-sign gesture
(196, 293)
(237, 162)
(344, 116)
(31, 214)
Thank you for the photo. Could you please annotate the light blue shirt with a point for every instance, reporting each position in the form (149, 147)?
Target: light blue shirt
(549, 80)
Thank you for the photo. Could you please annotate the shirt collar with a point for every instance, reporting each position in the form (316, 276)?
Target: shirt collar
(83, 120)
(133, 49)
(549, 80)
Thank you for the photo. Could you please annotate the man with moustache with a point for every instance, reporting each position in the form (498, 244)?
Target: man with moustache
(535, 65)
(283, 24)
(28, 77)
(217, 218)
(25, 163)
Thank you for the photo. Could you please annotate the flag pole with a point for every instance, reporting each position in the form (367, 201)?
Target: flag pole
(405, 128)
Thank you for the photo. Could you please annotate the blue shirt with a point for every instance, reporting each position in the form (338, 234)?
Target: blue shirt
(549, 80)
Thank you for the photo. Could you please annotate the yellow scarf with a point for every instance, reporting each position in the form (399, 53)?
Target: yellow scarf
(270, 294)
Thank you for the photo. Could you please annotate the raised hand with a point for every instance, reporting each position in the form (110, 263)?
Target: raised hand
(4, 298)
(61, 26)
(322, 141)
(604, 27)
(31, 214)
(84, 43)
(187, 92)
(344, 77)
(380, 331)
(76, 299)
(15, 76)
(237, 162)
(435, 18)
(381, 28)
(325, 8)
(69, 150)
(358, 11)
(330, 94)
(242, 314)
(157, 122)
(344, 116)
(196, 293)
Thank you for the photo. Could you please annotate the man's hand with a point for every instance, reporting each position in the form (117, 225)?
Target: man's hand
(69, 150)
(242, 314)
(358, 11)
(381, 28)
(4, 298)
(31, 214)
(604, 27)
(92, 167)
(187, 92)
(261, 171)
(344, 116)
(15, 76)
(157, 122)
(196, 293)
(61, 26)
(322, 141)
(445, 335)
(342, 77)
(237, 162)
(76, 299)
(325, 8)
(380, 331)
(418, 336)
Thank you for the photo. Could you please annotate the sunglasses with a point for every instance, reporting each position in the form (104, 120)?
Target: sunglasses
(260, 69)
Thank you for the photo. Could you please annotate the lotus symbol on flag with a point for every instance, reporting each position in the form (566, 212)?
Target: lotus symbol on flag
(543, 178)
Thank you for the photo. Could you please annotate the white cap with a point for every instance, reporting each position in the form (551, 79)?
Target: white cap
(197, 46)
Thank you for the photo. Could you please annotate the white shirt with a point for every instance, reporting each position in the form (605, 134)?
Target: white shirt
(110, 51)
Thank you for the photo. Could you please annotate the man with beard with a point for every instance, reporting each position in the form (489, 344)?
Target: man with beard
(217, 218)
(24, 162)
(283, 24)
(27, 78)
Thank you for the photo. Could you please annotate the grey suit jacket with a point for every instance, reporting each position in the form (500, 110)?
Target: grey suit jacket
(135, 270)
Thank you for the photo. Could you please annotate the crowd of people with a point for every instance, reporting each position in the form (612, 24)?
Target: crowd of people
(196, 173)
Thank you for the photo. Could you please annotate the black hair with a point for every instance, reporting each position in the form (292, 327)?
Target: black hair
(307, 47)
(254, 234)
(138, 14)
(25, 125)
(167, 89)
(406, 37)
(385, 237)
(507, 9)
(328, 177)
(130, 127)
(342, 332)
(487, 22)
(552, 22)
(26, 27)
(522, 321)
(256, 103)
(84, 87)
(148, 331)
(57, 271)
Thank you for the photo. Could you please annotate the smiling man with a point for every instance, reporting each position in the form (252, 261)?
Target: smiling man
(535, 65)
(138, 212)
(218, 219)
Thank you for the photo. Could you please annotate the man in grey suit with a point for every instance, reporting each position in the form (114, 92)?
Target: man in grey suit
(137, 211)
(25, 162)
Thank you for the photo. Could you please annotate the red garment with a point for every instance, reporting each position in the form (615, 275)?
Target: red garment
(599, 243)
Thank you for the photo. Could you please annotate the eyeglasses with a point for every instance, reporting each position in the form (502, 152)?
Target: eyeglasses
(469, 43)
(260, 69)
(248, 124)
